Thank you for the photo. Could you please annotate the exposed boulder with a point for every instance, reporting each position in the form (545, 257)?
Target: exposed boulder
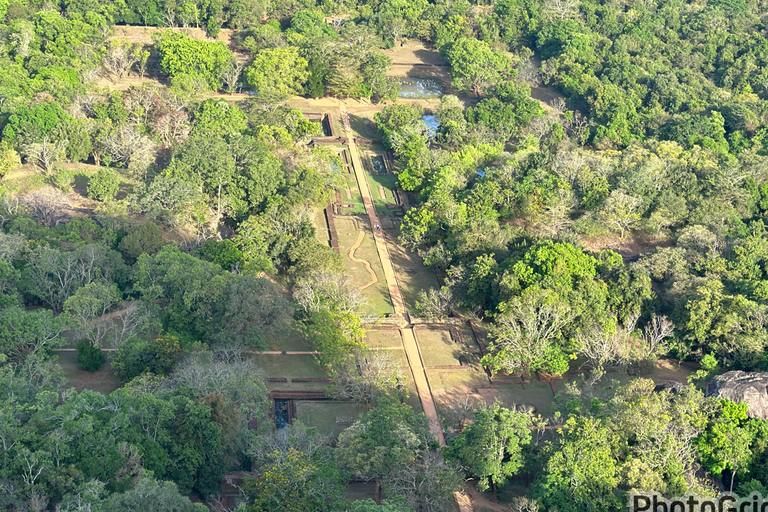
(750, 388)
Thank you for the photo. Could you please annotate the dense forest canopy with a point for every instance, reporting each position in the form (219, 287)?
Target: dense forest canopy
(161, 199)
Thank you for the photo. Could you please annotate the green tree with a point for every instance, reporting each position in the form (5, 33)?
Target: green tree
(579, 472)
(278, 71)
(153, 496)
(89, 357)
(493, 447)
(383, 438)
(146, 238)
(181, 54)
(726, 442)
(9, 159)
(294, 483)
(474, 65)
(104, 185)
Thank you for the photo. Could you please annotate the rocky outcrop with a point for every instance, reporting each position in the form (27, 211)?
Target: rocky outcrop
(750, 388)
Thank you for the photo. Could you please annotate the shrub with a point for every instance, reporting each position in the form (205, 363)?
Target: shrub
(104, 185)
(62, 180)
(89, 357)
(146, 238)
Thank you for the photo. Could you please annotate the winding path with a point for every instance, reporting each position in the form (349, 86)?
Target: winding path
(366, 263)
(412, 351)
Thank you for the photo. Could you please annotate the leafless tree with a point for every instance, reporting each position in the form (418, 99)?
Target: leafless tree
(622, 211)
(529, 72)
(11, 246)
(427, 484)
(523, 504)
(561, 9)
(526, 331)
(555, 218)
(23, 37)
(238, 379)
(435, 303)
(173, 127)
(607, 348)
(10, 204)
(366, 376)
(325, 289)
(655, 332)
(141, 102)
(231, 75)
(134, 318)
(44, 154)
(128, 146)
(55, 275)
(46, 204)
(121, 55)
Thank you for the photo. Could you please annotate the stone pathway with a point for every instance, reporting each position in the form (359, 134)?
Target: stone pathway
(409, 340)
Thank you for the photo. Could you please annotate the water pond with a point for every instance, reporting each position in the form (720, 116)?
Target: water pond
(420, 88)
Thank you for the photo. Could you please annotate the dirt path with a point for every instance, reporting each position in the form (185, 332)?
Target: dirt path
(413, 354)
(412, 351)
(351, 254)
(378, 235)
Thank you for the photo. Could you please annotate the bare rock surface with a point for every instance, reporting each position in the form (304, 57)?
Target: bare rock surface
(750, 388)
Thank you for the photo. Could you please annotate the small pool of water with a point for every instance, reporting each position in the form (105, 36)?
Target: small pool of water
(377, 162)
(432, 125)
(281, 413)
(420, 88)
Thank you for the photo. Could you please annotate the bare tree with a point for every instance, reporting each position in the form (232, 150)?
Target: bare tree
(23, 37)
(173, 127)
(44, 154)
(231, 75)
(607, 348)
(10, 204)
(121, 55)
(88, 309)
(236, 378)
(527, 331)
(366, 376)
(427, 484)
(435, 303)
(324, 289)
(141, 102)
(561, 9)
(11, 246)
(134, 318)
(655, 333)
(622, 211)
(529, 72)
(46, 204)
(129, 146)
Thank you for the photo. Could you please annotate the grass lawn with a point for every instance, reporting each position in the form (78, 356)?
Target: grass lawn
(364, 126)
(289, 365)
(354, 199)
(411, 273)
(104, 380)
(380, 338)
(289, 340)
(538, 394)
(438, 349)
(389, 183)
(451, 381)
(379, 302)
(329, 416)
(388, 341)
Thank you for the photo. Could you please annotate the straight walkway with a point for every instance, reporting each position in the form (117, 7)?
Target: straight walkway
(409, 341)
(378, 234)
